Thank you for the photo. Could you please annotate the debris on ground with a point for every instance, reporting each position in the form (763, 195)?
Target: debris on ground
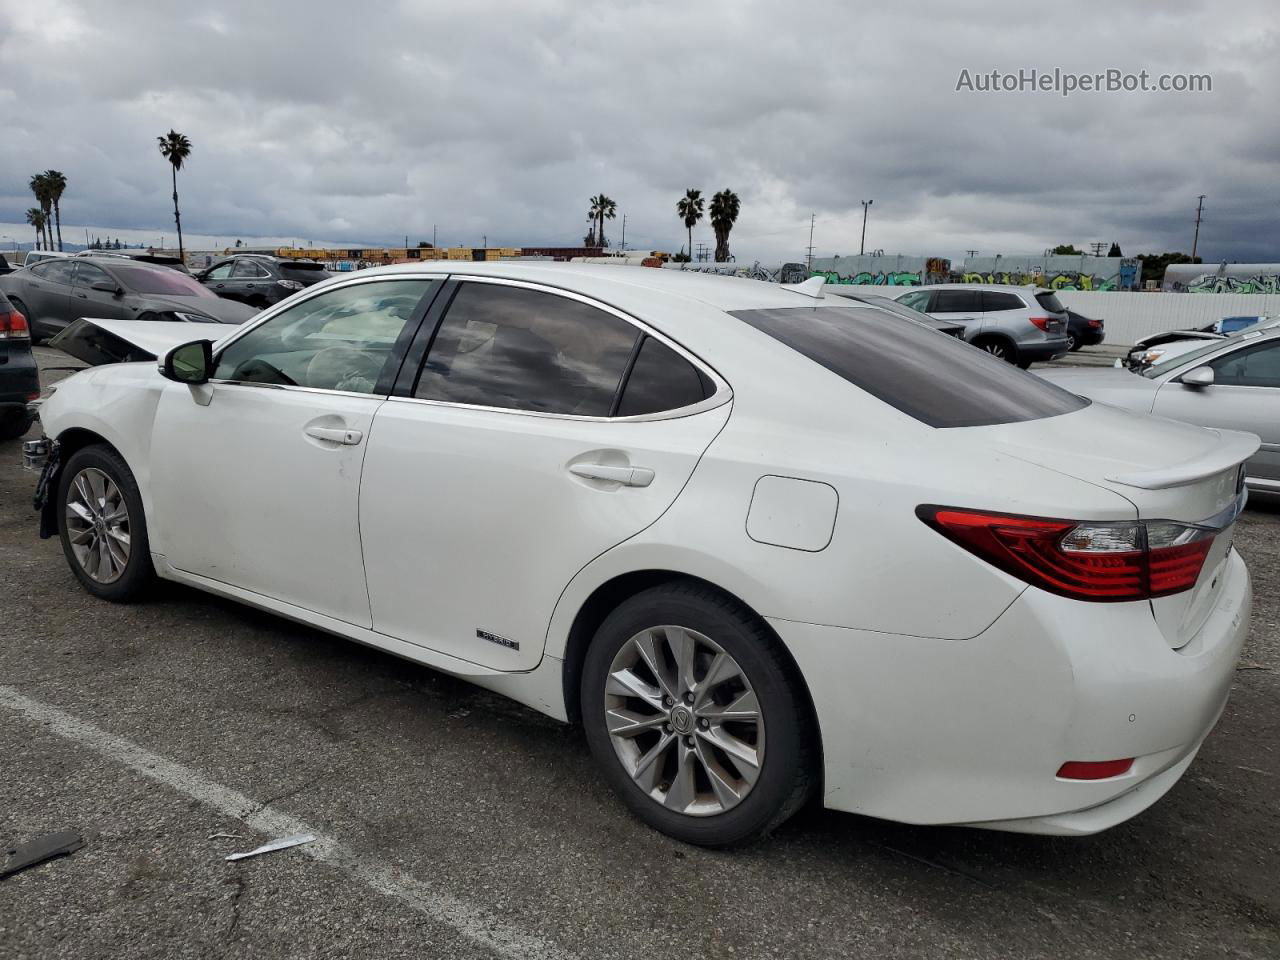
(40, 850)
(282, 844)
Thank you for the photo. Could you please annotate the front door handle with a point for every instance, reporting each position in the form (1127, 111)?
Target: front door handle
(627, 476)
(335, 435)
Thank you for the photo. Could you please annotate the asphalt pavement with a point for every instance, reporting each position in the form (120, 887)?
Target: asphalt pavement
(452, 823)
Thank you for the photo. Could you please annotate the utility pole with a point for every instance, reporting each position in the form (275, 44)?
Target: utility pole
(1097, 248)
(809, 261)
(974, 253)
(862, 247)
(433, 236)
(624, 233)
(1196, 242)
(485, 240)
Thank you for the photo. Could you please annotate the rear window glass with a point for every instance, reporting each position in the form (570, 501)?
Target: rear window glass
(1049, 300)
(160, 281)
(661, 380)
(940, 381)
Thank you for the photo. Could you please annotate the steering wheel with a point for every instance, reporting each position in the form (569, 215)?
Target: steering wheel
(257, 370)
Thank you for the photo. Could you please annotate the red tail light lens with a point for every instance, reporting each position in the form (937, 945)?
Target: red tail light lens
(1095, 324)
(13, 325)
(1042, 322)
(1094, 769)
(1133, 560)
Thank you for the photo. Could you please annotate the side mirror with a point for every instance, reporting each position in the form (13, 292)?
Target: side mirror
(106, 286)
(1199, 377)
(189, 363)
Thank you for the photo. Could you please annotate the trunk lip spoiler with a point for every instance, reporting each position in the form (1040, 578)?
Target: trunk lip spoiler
(1235, 448)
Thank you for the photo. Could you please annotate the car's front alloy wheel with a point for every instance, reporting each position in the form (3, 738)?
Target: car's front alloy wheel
(100, 522)
(684, 720)
(97, 519)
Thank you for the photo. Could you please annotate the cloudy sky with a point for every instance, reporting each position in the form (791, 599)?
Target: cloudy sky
(359, 121)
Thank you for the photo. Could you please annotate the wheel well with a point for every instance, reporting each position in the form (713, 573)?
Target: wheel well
(988, 337)
(610, 594)
(69, 441)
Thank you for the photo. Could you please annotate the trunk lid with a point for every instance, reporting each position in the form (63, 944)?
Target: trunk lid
(1168, 470)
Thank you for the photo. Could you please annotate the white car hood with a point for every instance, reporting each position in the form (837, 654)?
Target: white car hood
(1108, 384)
(159, 337)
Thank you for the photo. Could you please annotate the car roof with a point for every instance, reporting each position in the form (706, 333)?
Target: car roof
(595, 279)
(1011, 287)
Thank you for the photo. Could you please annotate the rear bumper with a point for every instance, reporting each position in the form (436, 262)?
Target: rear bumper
(1046, 350)
(972, 732)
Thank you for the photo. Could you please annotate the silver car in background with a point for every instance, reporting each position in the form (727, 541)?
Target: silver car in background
(1019, 324)
(1232, 383)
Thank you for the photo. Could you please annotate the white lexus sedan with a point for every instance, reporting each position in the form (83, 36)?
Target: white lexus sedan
(763, 545)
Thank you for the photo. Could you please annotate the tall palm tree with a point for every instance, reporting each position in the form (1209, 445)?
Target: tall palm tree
(724, 214)
(175, 148)
(689, 209)
(57, 182)
(35, 217)
(39, 184)
(602, 208)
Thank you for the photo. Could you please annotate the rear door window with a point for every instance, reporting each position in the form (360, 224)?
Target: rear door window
(661, 380)
(957, 301)
(992, 301)
(521, 349)
(248, 270)
(87, 275)
(940, 381)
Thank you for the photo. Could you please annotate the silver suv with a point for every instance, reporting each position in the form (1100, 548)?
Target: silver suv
(1018, 324)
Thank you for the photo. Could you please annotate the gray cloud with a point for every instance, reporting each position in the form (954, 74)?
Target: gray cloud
(368, 122)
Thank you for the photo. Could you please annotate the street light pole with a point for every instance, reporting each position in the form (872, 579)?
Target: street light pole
(1196, 240)
(862, 247)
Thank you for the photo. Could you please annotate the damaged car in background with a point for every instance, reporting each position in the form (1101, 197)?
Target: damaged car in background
(696, 514)
(54, 293)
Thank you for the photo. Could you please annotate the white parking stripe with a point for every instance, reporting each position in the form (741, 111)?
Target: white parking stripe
(471, 922)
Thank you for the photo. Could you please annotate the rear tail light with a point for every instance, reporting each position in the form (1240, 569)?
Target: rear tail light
(1042, 322)
(1129, 560)
(1095, 324)
(13, 326)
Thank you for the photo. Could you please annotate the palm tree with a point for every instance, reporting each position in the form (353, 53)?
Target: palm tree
(57, 182)
(602, 208)
(39, 184)
(689, 209)
(724, 214)
(175, 148)
(35, 217)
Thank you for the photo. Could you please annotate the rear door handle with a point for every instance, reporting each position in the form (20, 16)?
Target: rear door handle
(336, 435)
(627, 476)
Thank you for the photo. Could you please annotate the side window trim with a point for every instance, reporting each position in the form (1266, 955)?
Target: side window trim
(415, 359)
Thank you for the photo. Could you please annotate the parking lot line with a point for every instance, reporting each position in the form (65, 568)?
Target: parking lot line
(471, 922)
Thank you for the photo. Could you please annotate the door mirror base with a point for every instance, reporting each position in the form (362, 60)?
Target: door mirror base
(190, 363)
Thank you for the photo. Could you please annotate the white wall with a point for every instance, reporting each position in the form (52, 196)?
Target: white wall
(1129, 316)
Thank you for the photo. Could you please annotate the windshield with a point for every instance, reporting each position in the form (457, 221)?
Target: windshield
(161, 281)
(938, 380)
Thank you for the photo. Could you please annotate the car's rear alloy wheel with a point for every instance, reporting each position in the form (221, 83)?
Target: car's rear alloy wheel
(98, 525)
(697, 717)
(100, 522)
(684, 721)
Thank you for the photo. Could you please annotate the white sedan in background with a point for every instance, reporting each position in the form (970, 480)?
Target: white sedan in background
(764, 545)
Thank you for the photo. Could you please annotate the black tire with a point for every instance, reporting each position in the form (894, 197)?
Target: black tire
(26, 314)
(790, 768)
(1073, 343)
(138, 573)
(998, 347)
(14, 424)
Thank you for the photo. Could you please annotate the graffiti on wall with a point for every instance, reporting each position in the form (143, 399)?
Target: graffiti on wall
(1213, 283)
(885, 278)
(781, 273)
(1063, 280)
